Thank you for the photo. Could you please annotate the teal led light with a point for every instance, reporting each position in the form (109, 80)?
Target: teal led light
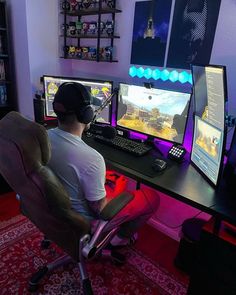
(140, 72)
(156, 74)
(190, 80)
(147, 73)
(132, 72)
(165, 75)
(174, 76)
(183, 77)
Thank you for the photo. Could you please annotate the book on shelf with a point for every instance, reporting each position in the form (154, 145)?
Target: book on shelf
(3, 95)
(2, 70)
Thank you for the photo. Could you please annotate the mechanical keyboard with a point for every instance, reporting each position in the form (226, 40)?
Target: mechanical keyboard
(125, 144)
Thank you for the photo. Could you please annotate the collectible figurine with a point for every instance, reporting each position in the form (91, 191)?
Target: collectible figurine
(92, 28)
(72, 50)
(79, 53)
(79, 27)
(110, 3)
(73, 5)
(64, 29)
(79, 4)
(72, 28)
(95, 3)
(108, 53)
(92, 52)
(86, 3)
(109, 27)
(65, 5)
(85, 28)
(85, 52)
(66, 50)
(102, 27)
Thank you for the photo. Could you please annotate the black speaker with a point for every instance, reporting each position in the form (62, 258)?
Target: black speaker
(39, 110)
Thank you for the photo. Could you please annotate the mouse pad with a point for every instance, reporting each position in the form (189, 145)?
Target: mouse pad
(141, 164)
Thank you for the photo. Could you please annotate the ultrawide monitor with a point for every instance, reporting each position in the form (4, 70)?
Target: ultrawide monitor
(210, 93)
(99, 90)
(207, 149)
(154, 112)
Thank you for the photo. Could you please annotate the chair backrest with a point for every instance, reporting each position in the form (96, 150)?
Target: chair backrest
(24, 154)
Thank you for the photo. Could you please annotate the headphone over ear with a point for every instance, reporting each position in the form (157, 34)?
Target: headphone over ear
(84, 113)
(83, 109)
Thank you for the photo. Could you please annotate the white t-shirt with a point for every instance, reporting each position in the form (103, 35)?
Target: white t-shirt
(80, 168)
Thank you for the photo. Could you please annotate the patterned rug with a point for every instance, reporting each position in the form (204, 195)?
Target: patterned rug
(21, 255)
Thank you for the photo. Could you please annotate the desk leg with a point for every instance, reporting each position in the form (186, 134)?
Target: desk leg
(138, 184)
(217, 224)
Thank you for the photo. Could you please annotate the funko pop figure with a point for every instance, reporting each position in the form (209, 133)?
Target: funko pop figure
(92, 28)
(65, 5)
(85, 27)
(86, 3)
(72, 50)
(79, 27)
(102, 27)
(72, 28)
(79, 53)
(85, 51)
(109, 27)
(110, 3)
(108, 52)
(73, 5)
(92, 52)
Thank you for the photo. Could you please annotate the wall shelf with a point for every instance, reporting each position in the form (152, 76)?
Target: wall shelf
(76, 26)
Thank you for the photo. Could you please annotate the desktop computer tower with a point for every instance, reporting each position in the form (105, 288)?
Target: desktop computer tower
(39, 110)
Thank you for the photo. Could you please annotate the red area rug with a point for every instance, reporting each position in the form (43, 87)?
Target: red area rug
(21, 255)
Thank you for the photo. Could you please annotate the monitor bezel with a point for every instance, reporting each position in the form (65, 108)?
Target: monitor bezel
(78, 79)
(148, 135)
(224, 80)
(224, 130)
(215, 185)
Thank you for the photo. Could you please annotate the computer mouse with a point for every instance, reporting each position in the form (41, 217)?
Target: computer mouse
(159, 164)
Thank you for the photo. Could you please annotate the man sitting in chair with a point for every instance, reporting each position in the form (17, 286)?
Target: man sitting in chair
(82, 170)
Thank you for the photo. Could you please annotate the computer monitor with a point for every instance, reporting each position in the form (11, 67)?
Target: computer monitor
(210, 93)
(157, 113)
(207, 149)
(99, 90)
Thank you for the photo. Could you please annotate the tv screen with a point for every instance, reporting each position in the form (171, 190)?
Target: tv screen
(210, 93)
(154, 112)
(99, 90)
(207, 149)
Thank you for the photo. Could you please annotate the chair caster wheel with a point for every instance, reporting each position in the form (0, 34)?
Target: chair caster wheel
(45, 244)
(33, 288)
(117, 258)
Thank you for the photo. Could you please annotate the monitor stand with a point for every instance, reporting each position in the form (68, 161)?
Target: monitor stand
(150, 141)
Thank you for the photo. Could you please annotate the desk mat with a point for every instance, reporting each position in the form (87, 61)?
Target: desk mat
(141, 164)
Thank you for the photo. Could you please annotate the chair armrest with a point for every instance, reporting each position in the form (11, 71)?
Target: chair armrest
(115, 205)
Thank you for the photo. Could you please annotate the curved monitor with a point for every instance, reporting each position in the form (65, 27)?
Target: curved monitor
(99, 89)
(154, 112)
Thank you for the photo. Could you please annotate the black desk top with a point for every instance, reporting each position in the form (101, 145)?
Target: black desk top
(180, 180)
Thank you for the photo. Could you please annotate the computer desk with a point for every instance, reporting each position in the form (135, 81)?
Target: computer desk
(180, 181)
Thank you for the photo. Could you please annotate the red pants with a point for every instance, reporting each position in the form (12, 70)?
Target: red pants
(136, 212)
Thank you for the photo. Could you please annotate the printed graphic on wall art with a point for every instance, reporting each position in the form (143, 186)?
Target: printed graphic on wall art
(150, 32)
(192, 33)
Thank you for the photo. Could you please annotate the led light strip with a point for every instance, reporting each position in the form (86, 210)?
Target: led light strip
(164, 75)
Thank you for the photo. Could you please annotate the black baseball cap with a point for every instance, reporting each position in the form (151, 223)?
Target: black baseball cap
(71, 96)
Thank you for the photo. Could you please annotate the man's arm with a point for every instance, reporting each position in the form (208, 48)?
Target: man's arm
(97, 206)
